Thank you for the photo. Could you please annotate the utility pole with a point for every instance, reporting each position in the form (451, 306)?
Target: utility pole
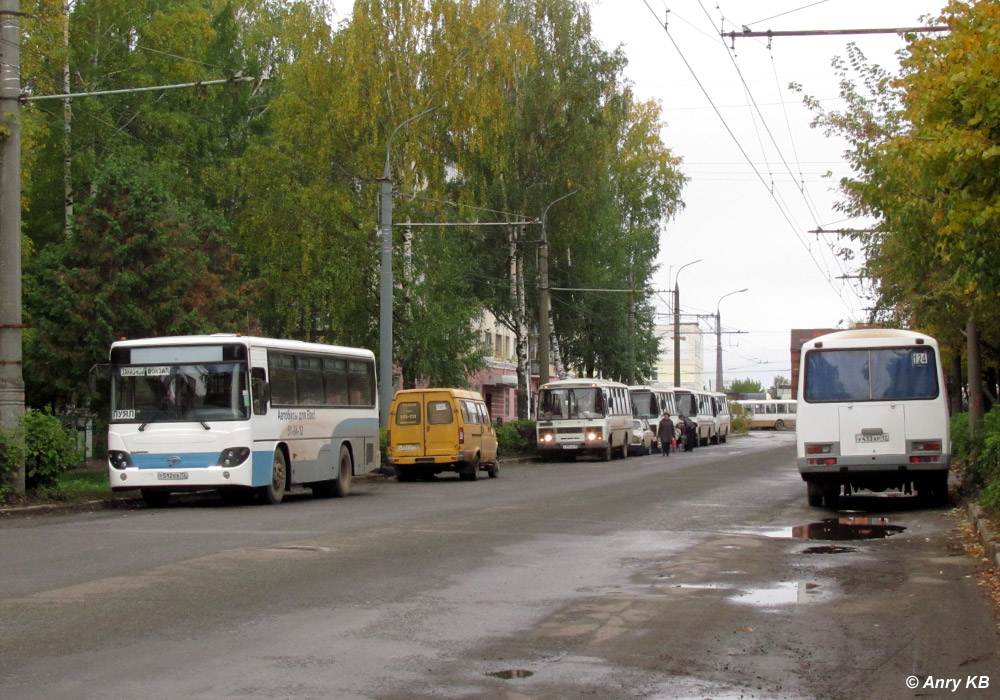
(385, 281)
(543, 298)
(11, 327)
(718, 340)
(677, 323)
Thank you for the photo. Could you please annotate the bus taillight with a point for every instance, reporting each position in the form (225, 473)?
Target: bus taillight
(828, 462)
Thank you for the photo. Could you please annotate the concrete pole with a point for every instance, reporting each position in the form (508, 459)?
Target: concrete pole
(11, 374)
(677, 323)
(385, 282)
(543, 298)
(718, 340)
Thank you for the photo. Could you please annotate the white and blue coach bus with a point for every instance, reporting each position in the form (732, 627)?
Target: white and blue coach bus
(239, 414)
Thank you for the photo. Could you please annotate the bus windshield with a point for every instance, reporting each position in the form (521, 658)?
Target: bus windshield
(585, 402)
(687, 404)
(644, 405)
(890, 374)
(179, 392)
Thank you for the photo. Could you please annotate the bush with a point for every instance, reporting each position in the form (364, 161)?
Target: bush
(981, 456)
(961, 444)
(49, 449)
(11, 453)
(516, 438)
(740, 418)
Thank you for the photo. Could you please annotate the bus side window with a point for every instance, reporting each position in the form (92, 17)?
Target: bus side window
(260, 391)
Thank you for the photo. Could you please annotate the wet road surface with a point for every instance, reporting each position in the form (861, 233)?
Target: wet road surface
(700, 575)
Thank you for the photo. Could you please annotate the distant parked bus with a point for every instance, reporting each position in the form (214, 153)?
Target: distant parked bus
(240, 414)
(709, 410)
(581, 416)
(776, 414)
(651, 401)
(872, 414)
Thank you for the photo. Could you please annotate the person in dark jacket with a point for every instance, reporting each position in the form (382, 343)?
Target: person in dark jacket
(665, 433)
(690, 435)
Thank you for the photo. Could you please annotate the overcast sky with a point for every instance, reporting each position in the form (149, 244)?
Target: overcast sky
(749, 225)
(748, 232)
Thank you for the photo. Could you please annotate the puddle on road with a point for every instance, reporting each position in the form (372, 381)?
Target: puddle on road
(848, 528)
(829, 549)
(784, 593)
(511, 674)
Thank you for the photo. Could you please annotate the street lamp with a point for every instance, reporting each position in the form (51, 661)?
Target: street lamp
(543, 299)
(718, 340)
(677, 323)
(385, 282)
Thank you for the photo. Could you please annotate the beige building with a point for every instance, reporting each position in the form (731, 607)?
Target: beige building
(692, 362)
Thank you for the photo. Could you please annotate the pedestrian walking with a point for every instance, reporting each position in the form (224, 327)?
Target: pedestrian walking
(665, 433)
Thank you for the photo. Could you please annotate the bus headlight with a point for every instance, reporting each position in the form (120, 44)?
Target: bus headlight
(234, 456)
(593, 434)
(547, 437)
(119, 459)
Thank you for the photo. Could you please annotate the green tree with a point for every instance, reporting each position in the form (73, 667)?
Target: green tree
(926, 152)
(141, 264)
(746, 386)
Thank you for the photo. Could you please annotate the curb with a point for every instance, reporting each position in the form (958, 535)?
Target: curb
(984, 529)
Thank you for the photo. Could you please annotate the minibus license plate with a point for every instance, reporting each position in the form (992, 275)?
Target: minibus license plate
(172, 476)
(403, 448)
(884, 437)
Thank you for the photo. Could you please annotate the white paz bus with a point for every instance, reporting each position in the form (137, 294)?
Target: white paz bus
(872, 414)
(243, 414)
(584, 416)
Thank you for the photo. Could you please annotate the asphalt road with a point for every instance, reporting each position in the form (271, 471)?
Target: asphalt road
(687, 577)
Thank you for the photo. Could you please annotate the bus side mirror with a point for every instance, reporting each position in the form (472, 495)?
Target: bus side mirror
(97, 373)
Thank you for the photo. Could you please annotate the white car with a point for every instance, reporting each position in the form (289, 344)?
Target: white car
(642, 440)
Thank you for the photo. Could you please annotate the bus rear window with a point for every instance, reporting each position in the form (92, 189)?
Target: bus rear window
(889, 374)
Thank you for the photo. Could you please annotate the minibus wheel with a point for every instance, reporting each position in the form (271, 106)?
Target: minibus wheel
(494, 469)
(342, 487)
(472, 470)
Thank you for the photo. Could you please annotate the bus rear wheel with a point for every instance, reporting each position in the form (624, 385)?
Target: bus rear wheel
(342, 487)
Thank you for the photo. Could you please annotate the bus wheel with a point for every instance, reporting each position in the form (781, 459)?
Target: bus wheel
(831, 496)
(342, 487)
(814, 493)
(155, 498)
(405, 474)
(779, 424)
(275, 491)
(606, 453)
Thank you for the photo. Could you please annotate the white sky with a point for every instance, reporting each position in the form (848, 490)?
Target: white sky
(743, 236)
(746, 233)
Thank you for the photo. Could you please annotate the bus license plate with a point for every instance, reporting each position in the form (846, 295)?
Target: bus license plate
(570, 447)
(172, 476)
(884, 437)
